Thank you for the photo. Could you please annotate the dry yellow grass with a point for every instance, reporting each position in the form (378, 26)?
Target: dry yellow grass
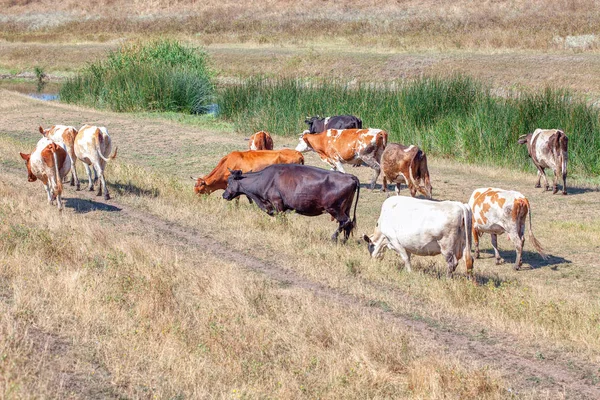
(542, 320)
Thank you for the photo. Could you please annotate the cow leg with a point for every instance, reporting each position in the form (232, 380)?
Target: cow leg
(89, 175)
(102, 186)
(452, 262)
(372, 162)
(48, 192)
(542, 173)
(499, 259)
(384, 184)
(394, 244)
(555, 183)
(74, 177)
(518, 239)
(397, 190)
(339, 167)
(476, 240)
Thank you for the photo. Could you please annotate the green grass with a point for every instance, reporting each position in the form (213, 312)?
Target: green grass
(157, 76)
(457, 117)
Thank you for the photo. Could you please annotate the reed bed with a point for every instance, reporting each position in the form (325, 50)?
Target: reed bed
(457, 117)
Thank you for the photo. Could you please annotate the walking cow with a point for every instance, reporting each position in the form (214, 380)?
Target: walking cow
(406, 164)
(50, 164)
(92, 147)
(65, 135)
(548, 149)
(496, 211)
(425, 228)
(307, 190)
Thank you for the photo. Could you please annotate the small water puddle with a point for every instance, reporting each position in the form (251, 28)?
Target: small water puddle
(49, 91)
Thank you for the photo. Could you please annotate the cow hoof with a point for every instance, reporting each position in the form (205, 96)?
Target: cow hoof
(517, 267)
(106, 197)
(499, 261)
(538, 186)
(91, 189)
(555, 191)
(78, 188)
(564, 192)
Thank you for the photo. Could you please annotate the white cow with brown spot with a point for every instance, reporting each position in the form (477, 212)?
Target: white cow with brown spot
(548, 148)
(49, 163)
(92, 147)
(261, 140)
(496, 211)
(425, 228)
(402, 164)
(65, 135)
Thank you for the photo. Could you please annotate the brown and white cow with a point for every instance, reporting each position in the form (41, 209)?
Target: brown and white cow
(425, 228)
(548, 149)
(49, 163)
(65, 135)
(93, 147)
(245, 161)
(347, 146)
(496, 211)
(261, 140)
(402, 164)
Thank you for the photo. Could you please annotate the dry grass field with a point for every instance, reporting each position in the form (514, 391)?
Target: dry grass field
(159, 293)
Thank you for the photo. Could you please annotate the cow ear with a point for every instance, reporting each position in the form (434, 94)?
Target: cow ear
(24, 156)
(41, 130)
(367, 239)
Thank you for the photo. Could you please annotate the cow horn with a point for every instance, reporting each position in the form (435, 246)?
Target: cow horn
(193, 178)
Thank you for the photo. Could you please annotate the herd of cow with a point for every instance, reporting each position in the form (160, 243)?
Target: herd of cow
(278, 181)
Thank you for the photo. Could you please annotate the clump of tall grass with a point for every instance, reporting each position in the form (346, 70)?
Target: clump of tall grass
(161, 75)
(457, 116)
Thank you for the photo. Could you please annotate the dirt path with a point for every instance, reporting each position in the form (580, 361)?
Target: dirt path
(554, 377)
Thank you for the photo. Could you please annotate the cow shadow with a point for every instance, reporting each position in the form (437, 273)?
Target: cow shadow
(83, 206)
(131, 189)
(531, 259)
(580, 190)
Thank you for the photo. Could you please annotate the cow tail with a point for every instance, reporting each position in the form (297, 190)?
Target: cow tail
(468, 224)
(410, 169)
(532, 239)
(563, 142)
(57, 190)
(355, 203)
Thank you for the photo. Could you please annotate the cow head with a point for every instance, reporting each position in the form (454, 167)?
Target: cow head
(376, 243)
(315, 124)
(234, 187)
(30, 176)
(303, 145)
(200, 187)
(524, 138)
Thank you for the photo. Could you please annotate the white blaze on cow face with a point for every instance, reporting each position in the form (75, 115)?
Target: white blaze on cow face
(303, 147)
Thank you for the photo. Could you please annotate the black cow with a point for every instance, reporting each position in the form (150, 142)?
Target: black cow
(307, 190)
(317, 125)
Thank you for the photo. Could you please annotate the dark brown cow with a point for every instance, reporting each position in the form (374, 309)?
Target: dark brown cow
(307, 190)
(548, 149)
(316, 124)
(246, 161)
(261, 140)
(401, 164)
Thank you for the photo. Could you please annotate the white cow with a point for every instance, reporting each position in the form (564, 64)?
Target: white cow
(425, 228)
(496, 211)
(548, 148)
(50, 164)
(92, 147)
(65, 135)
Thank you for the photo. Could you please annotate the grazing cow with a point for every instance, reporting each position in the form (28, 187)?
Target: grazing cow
(496, 211)
(406, 164)
(425, 228)
(245, 161)
(548, 149)
(347, 146)
(65, 135)
(307, 190)
(316, 124)
(49, 163)
(261, 140)
(92, 147)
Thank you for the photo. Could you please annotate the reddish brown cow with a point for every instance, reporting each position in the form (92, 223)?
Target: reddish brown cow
(65, 135)
(245, 161)
(408, 165)
(548, 149)
(50, 164)
(347, 146)
(261, 140)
